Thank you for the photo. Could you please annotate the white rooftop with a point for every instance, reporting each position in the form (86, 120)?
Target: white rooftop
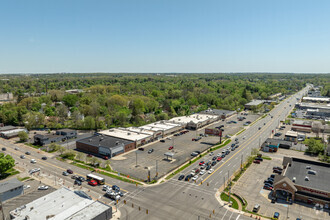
(58, 205)
(159, 126)
(125, 134)
(137, 130)
(316, 99)
(195, 118)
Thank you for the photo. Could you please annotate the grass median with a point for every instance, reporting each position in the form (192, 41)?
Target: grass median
(225, 197)
(196, 158)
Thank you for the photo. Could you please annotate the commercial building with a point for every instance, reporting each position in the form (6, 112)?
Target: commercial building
(272, 145)
(44, 139)
(303, 180)
(218, 112)
(194, 121)
(105, 145)
(6, 97)
(138, 137)
(316, 99)
(7, 128)
(254, 104)
(63, 204)
(12, 133)
(67, 133)
(302, 126)
(162, 128)
(10, 189)
(293, 136)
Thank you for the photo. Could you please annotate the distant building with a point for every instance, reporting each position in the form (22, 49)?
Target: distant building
(218, 112)
(41, 140)
(293, 136)
(10, 189)
(67, 133)
(304, 181)
(254, 104)
(6, 97)
(275, 96)
(12, 132)
(105, 145)
(63, 204)
(74, 91)
(194, 121)
(302, 126)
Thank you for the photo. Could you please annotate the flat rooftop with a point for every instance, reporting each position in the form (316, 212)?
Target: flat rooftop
(124, 134)
(218, 112)
(60, 204)
(195, 118)
(255, 102)
(302, 122)
(160, 126)
(316, 99)
(320, 181)
(104, 141)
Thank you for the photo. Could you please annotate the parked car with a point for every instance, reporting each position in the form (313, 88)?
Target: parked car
(188, 177)
(208, 167)
(181, 177)
(202, 172)
(201, 163)
(43, 187)
(16, 148)
(256, 208)
(163, 141)
(211, 154)
(219, 158)
(214, 158)
(141, 148)
(276, 215)
(256, 161)
(150, 151)
(171, 147)
(214, 163)
(268, 187)
(273, 199)
(259, 158)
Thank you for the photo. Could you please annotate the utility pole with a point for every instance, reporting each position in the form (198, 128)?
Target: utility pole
(136, 159)
(156, 168)
(242, 162)
(224, 182)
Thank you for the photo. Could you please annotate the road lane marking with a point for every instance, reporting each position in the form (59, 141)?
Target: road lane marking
(244, 146)
(224, 214)
(238, 217)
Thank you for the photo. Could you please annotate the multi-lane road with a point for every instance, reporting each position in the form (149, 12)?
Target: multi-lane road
(176, 199)
(172, 199)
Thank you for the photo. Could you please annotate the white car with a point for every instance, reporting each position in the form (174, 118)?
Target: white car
(106, 188)
(195, 178)
(16, 148)
(211, 171)
(169, 138)
(26, 186)
(202, 172)
(33, 161)
(211, 153)
(43, 187)
(218, 155)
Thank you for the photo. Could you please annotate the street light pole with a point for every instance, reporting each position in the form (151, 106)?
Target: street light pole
(136, 158)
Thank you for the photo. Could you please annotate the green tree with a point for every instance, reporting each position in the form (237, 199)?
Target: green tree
(314, 146)
(6, 163)
(61, 149)
(23, 136)
(70, 100)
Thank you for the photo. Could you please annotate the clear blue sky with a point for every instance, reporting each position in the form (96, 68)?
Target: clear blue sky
(40, 36)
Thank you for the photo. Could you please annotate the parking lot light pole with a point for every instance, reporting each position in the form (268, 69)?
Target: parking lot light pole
(136, 158)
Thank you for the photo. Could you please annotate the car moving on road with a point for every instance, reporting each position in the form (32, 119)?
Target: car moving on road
(171, 147)
(92, 183)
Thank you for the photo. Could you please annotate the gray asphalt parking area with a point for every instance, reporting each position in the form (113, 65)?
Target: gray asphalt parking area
(250, 187)
(135, 163)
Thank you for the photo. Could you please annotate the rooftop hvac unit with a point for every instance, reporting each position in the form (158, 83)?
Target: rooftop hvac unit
(90, 140)
(117, 142)
(128, 133)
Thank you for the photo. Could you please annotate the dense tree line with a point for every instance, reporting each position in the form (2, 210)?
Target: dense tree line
(111, 100)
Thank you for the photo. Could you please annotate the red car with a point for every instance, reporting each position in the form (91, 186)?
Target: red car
(201, 163)
(219, 158)
(193, 139)
(170, 148)
(92, 183)
(256, 161)
(268, 187)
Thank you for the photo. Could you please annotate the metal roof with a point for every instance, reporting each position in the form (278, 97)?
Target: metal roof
(104, 141)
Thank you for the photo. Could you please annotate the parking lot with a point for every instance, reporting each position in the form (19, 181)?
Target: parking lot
(250, 187)
(183, 146)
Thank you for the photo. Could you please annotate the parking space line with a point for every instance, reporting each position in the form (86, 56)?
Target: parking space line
(238, 216)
